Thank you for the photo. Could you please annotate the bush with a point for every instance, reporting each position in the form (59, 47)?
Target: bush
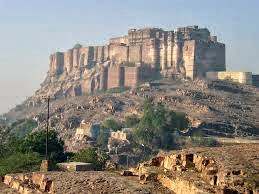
(207, 142)
(91, 155)
(180, 121)
(20, 162)
(36, 142)
(112, 124)
(131, 121)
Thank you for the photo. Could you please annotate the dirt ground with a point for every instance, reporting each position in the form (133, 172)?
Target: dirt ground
(101, 182)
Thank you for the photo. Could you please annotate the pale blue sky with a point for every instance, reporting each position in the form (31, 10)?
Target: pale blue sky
(31, 29)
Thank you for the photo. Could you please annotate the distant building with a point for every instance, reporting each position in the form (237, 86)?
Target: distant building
(239, 77)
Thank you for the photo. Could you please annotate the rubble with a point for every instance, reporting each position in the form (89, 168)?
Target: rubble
(206, 170)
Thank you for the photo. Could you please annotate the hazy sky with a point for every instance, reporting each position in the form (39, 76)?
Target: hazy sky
(32, 29)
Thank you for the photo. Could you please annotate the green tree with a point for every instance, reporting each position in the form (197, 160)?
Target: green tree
(144, 132)
(36, 142)
(158, 124)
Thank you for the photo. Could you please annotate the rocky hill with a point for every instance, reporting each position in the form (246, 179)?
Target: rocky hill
(218, 108)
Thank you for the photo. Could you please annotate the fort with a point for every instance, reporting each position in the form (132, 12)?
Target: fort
(142, 55)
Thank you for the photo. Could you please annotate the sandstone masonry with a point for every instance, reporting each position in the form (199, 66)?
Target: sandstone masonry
(139, 56)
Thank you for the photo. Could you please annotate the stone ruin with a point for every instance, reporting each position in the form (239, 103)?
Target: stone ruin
(222, 170)
(138, 57)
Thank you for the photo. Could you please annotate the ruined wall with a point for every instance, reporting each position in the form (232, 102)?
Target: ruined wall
(240, 77)
(115, 77)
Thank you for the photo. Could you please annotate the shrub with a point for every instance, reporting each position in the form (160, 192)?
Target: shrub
(180, 121)
(91, 155)
(20, 162)
(36, 142)
(131, 121)
(207, 142)
(112, 124)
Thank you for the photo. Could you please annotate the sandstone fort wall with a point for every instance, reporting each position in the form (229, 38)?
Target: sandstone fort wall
(188, 51)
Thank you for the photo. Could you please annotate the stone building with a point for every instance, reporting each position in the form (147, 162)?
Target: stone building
(140, 55)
